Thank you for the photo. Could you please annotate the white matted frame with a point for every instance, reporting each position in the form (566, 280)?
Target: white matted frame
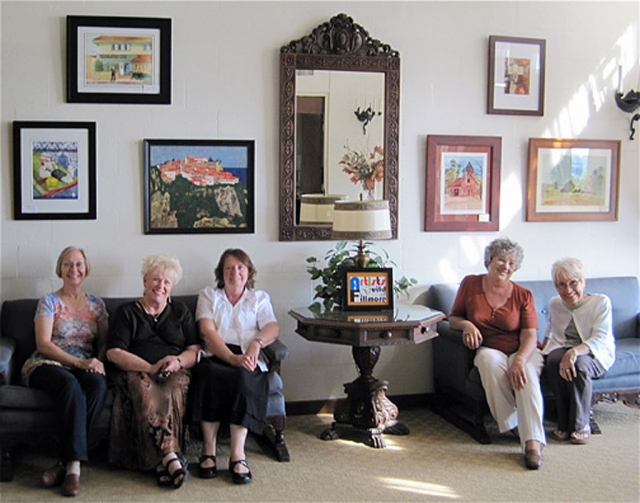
(516, 76)
(54, 170)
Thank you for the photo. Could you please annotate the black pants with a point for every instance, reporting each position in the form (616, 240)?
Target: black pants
(79, 397)
(573, 398)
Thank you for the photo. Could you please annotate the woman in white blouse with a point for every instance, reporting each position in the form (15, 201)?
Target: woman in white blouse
(580, 347)
(230, 382)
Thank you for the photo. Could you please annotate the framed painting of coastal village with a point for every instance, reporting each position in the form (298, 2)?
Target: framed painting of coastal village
(54, 170)
(118, 60)
(199, 186)
(573, 180)
(463, 183)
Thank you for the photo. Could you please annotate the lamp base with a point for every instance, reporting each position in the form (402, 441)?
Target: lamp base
(362, 258)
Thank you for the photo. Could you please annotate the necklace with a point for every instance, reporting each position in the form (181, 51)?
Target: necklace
(155, 316)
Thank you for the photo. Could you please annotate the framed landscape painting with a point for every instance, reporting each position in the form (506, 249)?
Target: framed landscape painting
(198, 186)
(54, 170)
(463, 183)
(118, 60)
(573, 180)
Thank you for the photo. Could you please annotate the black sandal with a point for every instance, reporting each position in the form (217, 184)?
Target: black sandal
(208, 472)
(240, 478)
(173, 476)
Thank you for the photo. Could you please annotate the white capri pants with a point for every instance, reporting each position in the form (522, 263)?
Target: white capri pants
(510, 408)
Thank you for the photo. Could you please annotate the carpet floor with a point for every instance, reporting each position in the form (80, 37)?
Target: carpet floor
(435, 462)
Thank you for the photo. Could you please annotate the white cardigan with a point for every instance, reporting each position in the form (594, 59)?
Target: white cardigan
(593, 320)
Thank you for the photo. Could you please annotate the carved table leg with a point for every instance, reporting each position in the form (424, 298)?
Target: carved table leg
(367, 406)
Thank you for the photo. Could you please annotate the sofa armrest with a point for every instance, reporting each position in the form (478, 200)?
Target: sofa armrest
(7, 350)
(275, 353)
(452, 360)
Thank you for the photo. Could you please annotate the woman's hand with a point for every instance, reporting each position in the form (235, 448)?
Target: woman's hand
(517, 373)
(567, 369)
(169, 363)
(91, 365)
(247, 361)
(471, 336)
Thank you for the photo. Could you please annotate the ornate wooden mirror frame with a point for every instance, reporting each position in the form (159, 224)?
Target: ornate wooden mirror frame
(338, 44)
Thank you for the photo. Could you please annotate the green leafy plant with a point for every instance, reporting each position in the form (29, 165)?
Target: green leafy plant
(331, 273)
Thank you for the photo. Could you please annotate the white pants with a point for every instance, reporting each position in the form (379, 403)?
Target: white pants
(510, 408)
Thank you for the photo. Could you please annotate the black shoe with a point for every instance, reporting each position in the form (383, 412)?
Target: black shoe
(240, 478)
(209, 472)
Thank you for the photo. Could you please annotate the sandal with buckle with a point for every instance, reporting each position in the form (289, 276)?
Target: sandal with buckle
(240, 478)
(208, 472)
(581, 437)
(174, 481)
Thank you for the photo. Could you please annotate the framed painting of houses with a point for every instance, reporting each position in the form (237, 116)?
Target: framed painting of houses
(463, 183)
(516, 76)
(54, 170)
(118, 60)
(573, 180)
(198, 186)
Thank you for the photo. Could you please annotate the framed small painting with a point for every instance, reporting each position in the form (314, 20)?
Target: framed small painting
(54, 168)
(516, 76)
(573, 180)
(198, 186)
(463, 183)
(118, 60)
(368, 289)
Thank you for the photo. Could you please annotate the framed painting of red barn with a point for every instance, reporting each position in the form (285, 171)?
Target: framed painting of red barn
(463, 183)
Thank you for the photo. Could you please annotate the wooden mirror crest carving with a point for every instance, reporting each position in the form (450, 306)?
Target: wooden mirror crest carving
(339, 45)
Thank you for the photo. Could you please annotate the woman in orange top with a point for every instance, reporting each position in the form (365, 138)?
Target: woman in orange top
(498, 320)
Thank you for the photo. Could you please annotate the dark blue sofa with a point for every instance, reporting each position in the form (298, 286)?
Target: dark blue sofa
(459, 396)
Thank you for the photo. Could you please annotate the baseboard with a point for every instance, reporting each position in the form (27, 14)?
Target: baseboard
(328, 406)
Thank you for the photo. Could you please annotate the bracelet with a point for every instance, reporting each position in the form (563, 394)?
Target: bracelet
(260, 341)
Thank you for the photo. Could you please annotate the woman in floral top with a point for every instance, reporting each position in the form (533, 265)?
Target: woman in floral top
(71, 329)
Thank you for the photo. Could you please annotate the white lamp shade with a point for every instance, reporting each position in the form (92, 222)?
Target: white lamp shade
(317, 209)
(361, 220)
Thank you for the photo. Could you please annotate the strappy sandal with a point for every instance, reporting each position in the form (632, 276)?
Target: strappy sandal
(208, 472)
(560, 435)
(162, 476)
(240, 478)
(174, 482)
(581, 437)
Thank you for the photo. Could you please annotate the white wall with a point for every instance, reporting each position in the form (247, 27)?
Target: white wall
(225, 85)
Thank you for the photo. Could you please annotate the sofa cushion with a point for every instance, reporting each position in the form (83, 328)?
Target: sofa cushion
(21, 397)
(627, 359)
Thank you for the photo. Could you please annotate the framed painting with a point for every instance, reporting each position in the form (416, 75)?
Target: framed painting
(573, 180)
(463, 183)
(54, 170)
(198, 186)
(368, 289)
(118, 60)
(516, 76)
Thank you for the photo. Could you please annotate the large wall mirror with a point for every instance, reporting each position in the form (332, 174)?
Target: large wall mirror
(339, 123)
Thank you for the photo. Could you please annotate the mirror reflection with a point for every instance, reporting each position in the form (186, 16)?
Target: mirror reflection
(339, 135)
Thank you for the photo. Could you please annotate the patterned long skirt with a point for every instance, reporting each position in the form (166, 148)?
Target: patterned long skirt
(146, 420)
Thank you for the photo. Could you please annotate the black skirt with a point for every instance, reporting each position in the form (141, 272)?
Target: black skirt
(224, 393)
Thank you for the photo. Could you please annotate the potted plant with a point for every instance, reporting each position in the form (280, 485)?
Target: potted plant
(330, 275)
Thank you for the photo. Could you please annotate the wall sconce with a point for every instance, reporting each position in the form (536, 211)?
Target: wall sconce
(365, 116)
(628, 103)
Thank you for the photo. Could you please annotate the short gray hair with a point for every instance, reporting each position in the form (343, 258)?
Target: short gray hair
(500, 247)
(569, 268)
(164, 262)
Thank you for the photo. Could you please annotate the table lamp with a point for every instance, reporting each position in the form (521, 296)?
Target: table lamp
(361, 220)
(317, 209)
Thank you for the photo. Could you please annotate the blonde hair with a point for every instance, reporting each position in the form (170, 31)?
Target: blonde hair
(64, 253)
(567, 268)
(164, 262)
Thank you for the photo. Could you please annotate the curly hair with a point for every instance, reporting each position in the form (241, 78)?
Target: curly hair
(567, 268)
(162, 262)
(500, 247)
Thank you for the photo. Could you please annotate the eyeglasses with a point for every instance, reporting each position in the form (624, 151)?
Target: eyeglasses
(573, 284)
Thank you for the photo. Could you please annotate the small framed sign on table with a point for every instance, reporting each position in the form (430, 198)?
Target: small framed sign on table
(368, 289)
